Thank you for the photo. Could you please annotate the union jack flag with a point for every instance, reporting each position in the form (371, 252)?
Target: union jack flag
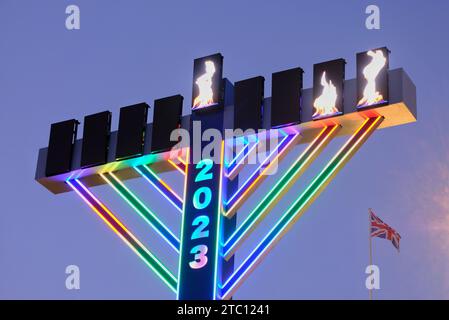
(382, 230)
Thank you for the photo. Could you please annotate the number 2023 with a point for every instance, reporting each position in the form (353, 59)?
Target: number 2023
(201, 200)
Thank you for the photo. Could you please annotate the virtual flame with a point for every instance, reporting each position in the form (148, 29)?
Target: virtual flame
(325, 103)
(370, 72)
(204, 83)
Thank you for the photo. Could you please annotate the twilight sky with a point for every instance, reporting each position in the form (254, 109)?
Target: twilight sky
(132, 51)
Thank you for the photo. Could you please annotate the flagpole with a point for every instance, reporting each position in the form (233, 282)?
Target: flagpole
(370, 240)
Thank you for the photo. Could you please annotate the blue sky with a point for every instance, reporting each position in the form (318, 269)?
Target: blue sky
(132, 51)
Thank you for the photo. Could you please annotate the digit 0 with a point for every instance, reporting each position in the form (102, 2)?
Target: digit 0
(202, 198)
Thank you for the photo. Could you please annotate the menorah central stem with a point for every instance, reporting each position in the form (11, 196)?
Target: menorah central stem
(200, 263)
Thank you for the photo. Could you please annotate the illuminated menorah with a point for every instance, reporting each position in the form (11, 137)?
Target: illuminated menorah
(212, 195)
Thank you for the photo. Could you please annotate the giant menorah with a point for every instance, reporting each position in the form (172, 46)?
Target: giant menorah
(270, 128)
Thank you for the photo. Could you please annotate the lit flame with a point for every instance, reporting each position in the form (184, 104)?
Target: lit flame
(204, 83)
(370, 72)
(325, 103)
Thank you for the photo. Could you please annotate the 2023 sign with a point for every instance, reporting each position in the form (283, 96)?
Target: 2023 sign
(200, 264)
(202, 198)
(201, 221)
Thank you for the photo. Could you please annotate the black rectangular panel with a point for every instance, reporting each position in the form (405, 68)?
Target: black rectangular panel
(131, 131)
(60, 147)
(207, 82)
(96, 132)
(248, 103)
(328, 81)
(286, 97)
(372, 78)
(166, 118)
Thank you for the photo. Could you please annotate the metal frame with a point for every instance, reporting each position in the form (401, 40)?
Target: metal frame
(359, 125)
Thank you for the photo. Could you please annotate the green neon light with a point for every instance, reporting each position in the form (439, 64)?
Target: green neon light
(218, 253)
(142, 210)
(282, 186)
(184, 203)
(325, 176)
(301, 204)
(122, 231)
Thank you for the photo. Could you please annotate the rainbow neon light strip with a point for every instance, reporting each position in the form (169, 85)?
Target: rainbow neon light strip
(232, 204)
(160, 186)
(184, 202)
(233, 168)
(300, 205)
(181, 163)
(178, 166)
(218, 256)
(277, 192)
(142, 210)
(150, 260)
